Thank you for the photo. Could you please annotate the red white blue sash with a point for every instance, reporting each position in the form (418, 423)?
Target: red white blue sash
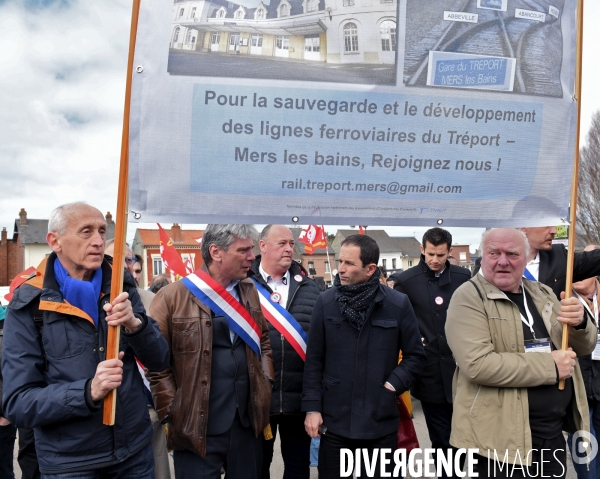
(222, 303)
(282, 321)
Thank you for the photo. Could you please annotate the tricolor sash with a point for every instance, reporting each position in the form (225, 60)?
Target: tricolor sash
(282, 321)
(528, 275)
(222, 303)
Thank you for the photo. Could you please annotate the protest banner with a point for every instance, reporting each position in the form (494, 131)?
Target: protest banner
(402, 111)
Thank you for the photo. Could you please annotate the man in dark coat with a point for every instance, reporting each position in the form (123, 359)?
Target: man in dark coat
(547, 262)
(429, 286)
(53, 363)
(287, 282)
(352, 377)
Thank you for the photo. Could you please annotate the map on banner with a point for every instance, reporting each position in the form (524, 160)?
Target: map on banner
(388, 112)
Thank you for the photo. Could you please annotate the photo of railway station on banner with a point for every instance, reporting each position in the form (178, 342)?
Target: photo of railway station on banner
(410, 112)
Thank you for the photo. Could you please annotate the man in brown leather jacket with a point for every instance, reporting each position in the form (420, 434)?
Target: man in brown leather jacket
(217, 392)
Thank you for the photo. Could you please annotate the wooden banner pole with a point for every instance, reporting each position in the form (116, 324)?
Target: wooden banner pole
(574, 179)
(114, 333)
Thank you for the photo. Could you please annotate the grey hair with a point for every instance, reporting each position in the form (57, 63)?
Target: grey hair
(223, 236)
(58, 218)
(490, 230)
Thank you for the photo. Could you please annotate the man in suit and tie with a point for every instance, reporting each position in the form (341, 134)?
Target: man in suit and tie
(547, 262)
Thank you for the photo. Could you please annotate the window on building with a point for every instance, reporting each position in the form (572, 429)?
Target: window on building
(410, 263)
(282, 42)
(260, 14)
(215, 37)
(257, 40)
(393, 263)
(348, 3)
(387, 31)
(188, 37)
(284, 10)
(350, 38)
(181, 13)
(234, 39)
(221, 13)
(239, 14)
(327, 267)
(193, 12)
(312, 43)
(462, 255)
(176, 35)
(311, 6)
(157, 266)
(384, 263)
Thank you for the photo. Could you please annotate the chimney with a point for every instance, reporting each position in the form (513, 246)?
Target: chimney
(4, 236)
(176, 233)
(109, 220)
(23, 216)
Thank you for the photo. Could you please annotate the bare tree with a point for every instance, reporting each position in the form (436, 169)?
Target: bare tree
(588, 204)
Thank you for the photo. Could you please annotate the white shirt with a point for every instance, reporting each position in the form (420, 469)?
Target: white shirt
(282, 286)
(534, 266)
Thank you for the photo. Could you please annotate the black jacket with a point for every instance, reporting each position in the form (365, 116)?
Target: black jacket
(55, 400)
(289, 367)
(553, 267)
(430, 297)
(346, 370)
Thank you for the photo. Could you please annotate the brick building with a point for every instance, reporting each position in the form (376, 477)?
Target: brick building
(146, 243)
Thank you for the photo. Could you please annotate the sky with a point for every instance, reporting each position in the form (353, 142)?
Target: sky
(62, 87)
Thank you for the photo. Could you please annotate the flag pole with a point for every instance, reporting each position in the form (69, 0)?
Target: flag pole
(327, 251)
(114, 332)
(574, 179)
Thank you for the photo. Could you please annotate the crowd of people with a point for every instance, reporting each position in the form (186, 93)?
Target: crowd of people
(213, 367)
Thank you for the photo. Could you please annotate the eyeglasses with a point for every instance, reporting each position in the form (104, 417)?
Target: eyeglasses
(130, 261)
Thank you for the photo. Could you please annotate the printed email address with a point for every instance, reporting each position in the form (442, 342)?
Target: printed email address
(393, 187)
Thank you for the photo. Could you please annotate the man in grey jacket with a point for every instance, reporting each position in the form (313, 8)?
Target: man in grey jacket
(505, 333)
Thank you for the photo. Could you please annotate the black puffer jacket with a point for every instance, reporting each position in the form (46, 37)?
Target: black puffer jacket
(289, 367)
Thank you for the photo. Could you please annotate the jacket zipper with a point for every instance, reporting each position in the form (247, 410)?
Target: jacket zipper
(474, 401)
(282, 355)
(281, 377)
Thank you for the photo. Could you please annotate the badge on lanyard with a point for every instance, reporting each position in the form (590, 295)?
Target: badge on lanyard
(596, 352)
(542, 345)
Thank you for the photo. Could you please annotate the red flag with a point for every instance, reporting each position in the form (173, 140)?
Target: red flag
(313, 237)
(169, 254)
(361, 230)
(189, 265)
(17, 281)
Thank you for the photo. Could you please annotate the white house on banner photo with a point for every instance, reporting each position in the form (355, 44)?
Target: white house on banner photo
(331, 31)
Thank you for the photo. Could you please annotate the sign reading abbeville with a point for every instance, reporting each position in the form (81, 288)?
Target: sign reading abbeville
(333, 113)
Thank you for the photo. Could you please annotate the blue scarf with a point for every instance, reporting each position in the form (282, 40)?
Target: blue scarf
(81, 294)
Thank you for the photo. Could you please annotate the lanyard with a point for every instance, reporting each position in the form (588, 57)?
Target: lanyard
(529, 321)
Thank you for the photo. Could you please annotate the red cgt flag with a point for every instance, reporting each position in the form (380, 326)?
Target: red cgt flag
(313, 237)
(169, 254)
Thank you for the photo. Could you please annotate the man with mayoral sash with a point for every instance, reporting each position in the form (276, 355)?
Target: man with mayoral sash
(215, 395)
(287, 296)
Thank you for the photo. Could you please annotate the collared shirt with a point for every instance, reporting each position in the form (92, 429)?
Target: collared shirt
(231, 288)
(437, 275)
(534, 266)
(282, 286)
